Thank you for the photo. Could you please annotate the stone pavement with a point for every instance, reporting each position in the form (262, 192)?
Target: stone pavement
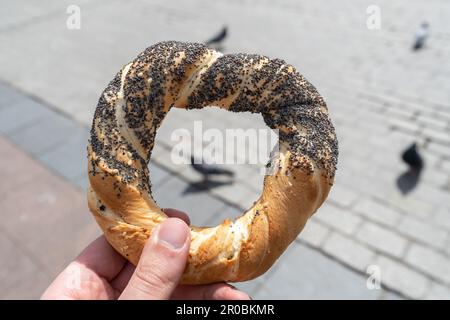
(381, 97)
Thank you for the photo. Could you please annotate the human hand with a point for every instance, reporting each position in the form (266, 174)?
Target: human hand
(99, 272)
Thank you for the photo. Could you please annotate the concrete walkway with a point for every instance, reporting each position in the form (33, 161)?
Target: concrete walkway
(381, 96)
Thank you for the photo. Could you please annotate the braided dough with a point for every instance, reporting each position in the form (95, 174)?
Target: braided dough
(185, 75)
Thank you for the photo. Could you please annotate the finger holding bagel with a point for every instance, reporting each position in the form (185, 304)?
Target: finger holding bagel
(187, 75)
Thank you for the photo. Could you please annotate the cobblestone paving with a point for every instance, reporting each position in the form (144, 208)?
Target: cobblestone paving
(381, 96)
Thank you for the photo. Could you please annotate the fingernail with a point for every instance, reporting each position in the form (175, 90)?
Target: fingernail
(172, 233)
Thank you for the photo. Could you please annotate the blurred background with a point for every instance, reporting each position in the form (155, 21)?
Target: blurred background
(383, 68)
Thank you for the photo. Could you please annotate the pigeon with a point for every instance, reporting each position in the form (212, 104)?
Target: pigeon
(218, 38)
(421, 36)
(413, 159)
(409, 179)
(207, 170)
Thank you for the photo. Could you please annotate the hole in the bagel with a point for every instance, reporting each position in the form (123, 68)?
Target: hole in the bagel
(207, 198)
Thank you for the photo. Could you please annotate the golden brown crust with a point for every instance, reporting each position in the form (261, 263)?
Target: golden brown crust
(174, 74)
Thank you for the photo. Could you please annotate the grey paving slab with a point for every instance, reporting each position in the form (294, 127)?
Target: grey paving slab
(307, 274)
(381, 239)
(226, 212)
(348, 251)
(343, 196)
(422, 232)
(439, 292)
(237, 193)
(175, 193)
(429, 261)
(162, 156)
(69, 158)
(340, 219)
(158, 175)
(407, 281)
(391, 296)
(8, 95)
(21, 113)
(45, 134)
(377, 211)
(314, 233)
(207, 118)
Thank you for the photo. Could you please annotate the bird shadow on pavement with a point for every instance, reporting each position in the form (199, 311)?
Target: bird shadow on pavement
(407, 181)
(204, 185)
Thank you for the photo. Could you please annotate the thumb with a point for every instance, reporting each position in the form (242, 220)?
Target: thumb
(162, 262)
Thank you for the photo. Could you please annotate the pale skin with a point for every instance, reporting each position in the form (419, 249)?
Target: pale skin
(99, 272)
